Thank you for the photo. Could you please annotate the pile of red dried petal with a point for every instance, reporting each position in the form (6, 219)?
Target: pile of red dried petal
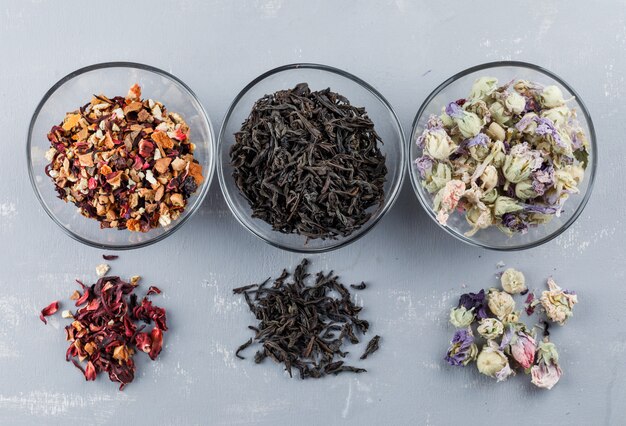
(105, 334)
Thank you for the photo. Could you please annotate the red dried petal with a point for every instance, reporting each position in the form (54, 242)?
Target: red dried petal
(92, 183)
(143, 341)
(49, 310)
(83, 298)
(180, 135)
(157, 342)
(153, 290)
(90, 371)
(146, 148)
(138, 163)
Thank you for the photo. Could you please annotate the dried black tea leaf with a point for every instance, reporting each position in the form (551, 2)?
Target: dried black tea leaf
(304, 325)
(309, 163)
(372, 347)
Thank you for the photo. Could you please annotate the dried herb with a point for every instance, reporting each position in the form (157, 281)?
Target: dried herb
(124, 161)
(309, 163)
(361, 286)
(372, 347)
(303, 326)
(51, 309)
(105, 335)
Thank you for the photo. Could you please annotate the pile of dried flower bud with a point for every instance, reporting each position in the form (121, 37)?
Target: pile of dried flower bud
(506, 156)
(104, 334)
(508, 343)
(126, 162)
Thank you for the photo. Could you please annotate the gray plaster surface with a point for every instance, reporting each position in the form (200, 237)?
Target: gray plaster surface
(416, 271)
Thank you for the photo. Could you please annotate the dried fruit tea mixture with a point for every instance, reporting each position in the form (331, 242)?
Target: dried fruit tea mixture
(506, 156)
(126, 162)
(302, 325)
(309, 163)
(110, 325)
(508, 344)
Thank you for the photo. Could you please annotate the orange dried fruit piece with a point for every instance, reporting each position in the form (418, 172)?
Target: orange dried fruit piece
(105, 170)
(161, 138)
(195, 171)
(134, 92)
(132, 107)
(162, 164)
(71, 120)
(133, 225)
(86, 160)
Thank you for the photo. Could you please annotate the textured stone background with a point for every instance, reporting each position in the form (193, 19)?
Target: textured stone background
(402, 48)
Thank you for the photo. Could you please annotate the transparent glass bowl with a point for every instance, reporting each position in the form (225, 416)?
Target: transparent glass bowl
(114, 79)
(318, 77)
(457, 87)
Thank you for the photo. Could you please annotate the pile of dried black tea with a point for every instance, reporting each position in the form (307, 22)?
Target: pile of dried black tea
(309, 163)
(304, 326)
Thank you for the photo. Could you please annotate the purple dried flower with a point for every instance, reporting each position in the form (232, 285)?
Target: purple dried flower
(545, 127)
(525, 121)
(454, 110)
(479, 139)
(543, 179)
(537, 208)
(506, 337)
(434, 122)
(514, 222)
(477, 301)
(424, 164)
(462, 349)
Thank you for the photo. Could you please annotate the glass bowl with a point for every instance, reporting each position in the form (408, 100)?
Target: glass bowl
(113, 79)
(457, 87)
(319, 77)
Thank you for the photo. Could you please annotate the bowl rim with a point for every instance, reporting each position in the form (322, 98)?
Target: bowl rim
(591, 171)
(208, 175)
(390, 198)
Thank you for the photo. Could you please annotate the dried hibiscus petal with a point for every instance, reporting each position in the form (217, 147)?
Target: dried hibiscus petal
(143, 341)
(51, 309)
(104, 335)
(157, 342)
(153, 290)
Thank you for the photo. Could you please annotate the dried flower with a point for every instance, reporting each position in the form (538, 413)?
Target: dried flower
(491, 361)
(448, 198)
(462, 349)
(513, 317)
(558, 303)
(518, 149)
(552, 97)
(521, 162)
(545, 375)
(515, 103)
(437, 177)
(437, 144)
(523, 347)
(547, 372)
(469, 124)
(476, 302)
(513, 281)
(461, 317)
(500, 303)
(483, 87)
(490, 328)
(104, 334)
(51, 309)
